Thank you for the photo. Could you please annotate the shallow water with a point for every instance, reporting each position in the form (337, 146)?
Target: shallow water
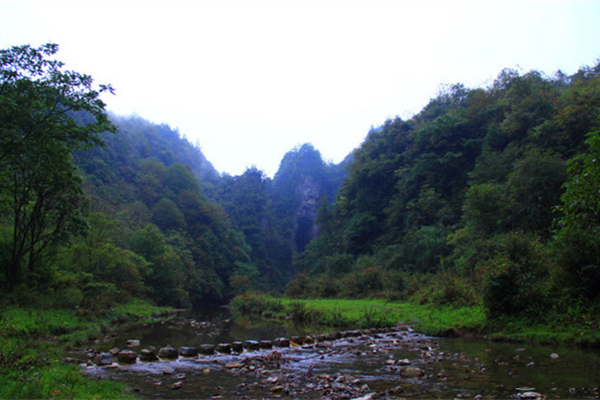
(452, 367)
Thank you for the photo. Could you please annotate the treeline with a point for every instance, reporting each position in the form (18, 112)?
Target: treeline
(487, 196)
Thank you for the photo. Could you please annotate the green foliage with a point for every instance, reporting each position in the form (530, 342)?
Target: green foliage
(255, 305)
(516, 278)
(457, 204)
(40, 192)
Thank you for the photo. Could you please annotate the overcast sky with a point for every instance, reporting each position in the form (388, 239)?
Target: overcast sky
(247, 81)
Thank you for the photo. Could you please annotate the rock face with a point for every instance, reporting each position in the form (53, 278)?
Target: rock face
(309, 192)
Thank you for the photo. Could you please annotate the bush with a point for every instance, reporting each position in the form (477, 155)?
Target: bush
(517, 278)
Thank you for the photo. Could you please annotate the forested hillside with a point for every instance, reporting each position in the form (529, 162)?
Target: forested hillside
(487, 195)
(100, 209)
(202, 237)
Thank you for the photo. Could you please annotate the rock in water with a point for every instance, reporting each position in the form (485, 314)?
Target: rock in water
(148, 356)
(188, 351)
(411, 372)
(103, 359)
(224, 348)
(168, 353)
(206, 349)
(127, 357)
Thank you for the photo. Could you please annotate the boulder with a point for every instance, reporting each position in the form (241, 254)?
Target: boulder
(266, 344)
(133, 343)
(127, 357)
(168, 353)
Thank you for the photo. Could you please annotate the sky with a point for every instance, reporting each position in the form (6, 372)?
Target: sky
(248, 81)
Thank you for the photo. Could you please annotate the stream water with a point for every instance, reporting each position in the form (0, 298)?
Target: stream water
(396, 364)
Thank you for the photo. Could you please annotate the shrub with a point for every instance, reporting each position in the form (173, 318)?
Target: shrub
(516, 278)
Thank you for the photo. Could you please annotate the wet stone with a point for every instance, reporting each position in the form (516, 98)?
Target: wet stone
(102, 359)
(169, 353)
(127, 357)
(188, 351)
(251, 345)
(148, 356)
(411, 372)
(237, 347)
(224, 348)
(206, 349)
(282, 342)
(266, 344)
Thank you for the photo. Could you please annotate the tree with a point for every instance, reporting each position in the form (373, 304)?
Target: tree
(576, 242)
(46, 113)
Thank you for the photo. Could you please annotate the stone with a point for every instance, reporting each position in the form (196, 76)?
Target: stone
(206, 349)
(224, 348)
(237, 347)
(234, 365)
(282, 342)
(298, 340)
(530, 395)
(411, 372)
(251, 345)
(103, 359)
(554, 356)
(185, 351)
(127, 357)
(148, 355)
(114, 351)
(168, 353)
(266, 344)
(133, 343)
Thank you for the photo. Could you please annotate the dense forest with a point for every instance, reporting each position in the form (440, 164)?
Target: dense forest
(111, 208)
(487, 196)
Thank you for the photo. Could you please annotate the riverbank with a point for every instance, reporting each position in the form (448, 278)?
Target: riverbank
(425, 318)
(31, 345)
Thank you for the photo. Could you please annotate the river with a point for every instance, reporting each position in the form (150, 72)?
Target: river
(399, 363)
